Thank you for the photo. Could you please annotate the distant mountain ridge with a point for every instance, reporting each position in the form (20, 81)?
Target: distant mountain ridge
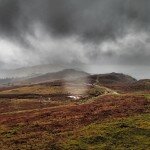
(118, 81)
(30, 71)
(66, 74)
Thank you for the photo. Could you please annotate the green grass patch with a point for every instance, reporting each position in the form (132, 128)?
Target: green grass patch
(147, 96)
(129, 133)
(10, 133)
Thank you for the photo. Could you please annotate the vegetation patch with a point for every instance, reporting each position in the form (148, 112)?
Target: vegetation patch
(128, 133)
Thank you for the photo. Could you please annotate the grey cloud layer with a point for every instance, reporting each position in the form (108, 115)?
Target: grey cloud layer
(92, 22)
(91, 19)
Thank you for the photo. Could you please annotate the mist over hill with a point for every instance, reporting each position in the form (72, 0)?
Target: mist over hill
(66, 74)
(30, 71)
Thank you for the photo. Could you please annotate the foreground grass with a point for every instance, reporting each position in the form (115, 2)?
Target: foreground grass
(131, 133)
(44, 129)
(147, 96)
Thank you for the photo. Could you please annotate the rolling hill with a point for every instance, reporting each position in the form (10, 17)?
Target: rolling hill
(67, 74)
(72, 109)
(31, 71)
(112, 78)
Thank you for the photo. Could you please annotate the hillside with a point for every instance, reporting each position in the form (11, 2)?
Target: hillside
(30, 71)
(107, 122)
(67, 74)
(116, 81)
(113, 78)
(137, 86)
(141, 85)
(71, 74)
(71, 109)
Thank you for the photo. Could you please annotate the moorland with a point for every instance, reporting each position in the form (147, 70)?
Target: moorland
(73, 110)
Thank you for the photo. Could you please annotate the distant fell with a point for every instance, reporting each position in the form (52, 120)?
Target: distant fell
(66, 74)
(112, 78)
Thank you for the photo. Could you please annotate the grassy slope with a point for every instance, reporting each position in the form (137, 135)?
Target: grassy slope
(125, 124)
(115, 122)
(48, 89)
(15, 103)
(127, 133)
(35, 89)
(122, 134)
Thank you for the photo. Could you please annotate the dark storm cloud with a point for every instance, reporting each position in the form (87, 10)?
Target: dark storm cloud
(91, 19)
(9, 11)
(92, 22)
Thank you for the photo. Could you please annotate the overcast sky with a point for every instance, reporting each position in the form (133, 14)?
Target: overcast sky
(106, 35)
